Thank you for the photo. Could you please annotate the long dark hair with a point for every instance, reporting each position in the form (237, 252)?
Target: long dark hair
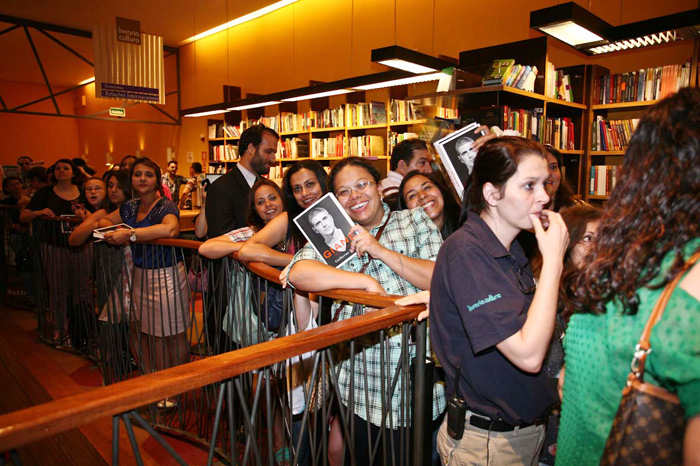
(293, 209)
(653, 211)
(152, 165)
(565, 195)
(124, 180)
(253, 219)
(451, 208)
(495, 163)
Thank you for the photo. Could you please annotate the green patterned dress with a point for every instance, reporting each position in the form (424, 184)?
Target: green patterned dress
(599, 350)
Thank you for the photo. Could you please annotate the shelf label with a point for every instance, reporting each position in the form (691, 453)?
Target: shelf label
(117, 112)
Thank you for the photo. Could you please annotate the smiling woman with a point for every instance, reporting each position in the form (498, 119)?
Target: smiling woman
(394, 253)
(264, 204)
(428, 192)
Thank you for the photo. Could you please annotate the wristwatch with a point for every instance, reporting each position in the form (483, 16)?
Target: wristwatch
(132, 234)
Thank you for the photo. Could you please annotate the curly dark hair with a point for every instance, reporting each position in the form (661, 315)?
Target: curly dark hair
(653, 211)
(451, 209)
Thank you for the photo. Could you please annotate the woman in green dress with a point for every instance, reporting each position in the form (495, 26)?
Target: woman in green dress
(650, 228)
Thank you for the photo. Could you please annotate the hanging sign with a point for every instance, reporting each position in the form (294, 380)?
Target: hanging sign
(128, 63)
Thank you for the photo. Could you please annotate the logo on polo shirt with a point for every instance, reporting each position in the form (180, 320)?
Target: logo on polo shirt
(481, 302)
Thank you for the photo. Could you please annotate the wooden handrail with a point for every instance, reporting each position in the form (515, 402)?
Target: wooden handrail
(28, 425)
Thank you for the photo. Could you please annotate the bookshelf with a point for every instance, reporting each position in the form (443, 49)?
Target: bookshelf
(363, 123)
(535, 115)
(616, 103)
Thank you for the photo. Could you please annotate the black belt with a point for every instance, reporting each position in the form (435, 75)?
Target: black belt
(500, 425)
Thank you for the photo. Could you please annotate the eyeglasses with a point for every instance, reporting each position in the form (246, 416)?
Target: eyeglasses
(360, 187)
(96, 189)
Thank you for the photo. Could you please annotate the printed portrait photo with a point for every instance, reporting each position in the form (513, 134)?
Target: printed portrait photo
(457, 156)
(326, 225)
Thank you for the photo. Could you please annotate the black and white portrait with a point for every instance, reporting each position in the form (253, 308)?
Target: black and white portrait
(457, 155)
(326, 225)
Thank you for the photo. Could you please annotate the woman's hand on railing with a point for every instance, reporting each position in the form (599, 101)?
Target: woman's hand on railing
(284, 276)
(117, 237)
(422, 297)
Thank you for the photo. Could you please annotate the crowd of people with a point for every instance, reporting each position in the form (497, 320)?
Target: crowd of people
(536, 299)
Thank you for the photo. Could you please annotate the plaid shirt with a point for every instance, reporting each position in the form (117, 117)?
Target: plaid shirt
(413, 234)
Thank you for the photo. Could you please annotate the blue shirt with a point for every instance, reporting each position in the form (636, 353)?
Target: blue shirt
(148, 256)
(480, 295)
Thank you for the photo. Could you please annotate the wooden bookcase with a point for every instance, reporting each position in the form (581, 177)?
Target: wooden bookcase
(312, 134)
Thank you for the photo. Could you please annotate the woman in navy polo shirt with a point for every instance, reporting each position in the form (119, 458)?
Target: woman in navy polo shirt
(486, 317)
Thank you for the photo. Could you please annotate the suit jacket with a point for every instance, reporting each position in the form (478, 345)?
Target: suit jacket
(227, 199)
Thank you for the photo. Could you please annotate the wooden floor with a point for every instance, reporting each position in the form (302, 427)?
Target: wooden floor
(32, 373)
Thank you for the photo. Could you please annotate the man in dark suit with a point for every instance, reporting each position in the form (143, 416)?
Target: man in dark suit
(226, 203)
(227, 197)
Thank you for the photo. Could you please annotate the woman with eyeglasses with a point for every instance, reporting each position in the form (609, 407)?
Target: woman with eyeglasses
(394, 254)
(490, 327)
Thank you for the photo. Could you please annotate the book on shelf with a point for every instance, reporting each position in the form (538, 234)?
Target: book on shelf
(402, 111)
(612, 135)
(231, 131)
(366, 146)
(223, 153)
(215, 130)
(558, 84)
(559, 133)
(328, 147)
(603, 179)
(363, 114)
(329, 118)
(645, 84)
(395, 138)
(499, 69)
(293, 148)
(292, 122)
(506, 72)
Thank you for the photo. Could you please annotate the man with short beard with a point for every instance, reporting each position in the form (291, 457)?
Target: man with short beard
(227, 196)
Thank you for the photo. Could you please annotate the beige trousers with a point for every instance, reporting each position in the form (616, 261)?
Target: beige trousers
(484, 448)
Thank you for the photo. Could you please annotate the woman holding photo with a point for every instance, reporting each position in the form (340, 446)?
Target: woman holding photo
(394, 254)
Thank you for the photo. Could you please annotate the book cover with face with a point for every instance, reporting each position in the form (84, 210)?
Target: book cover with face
(327, 227)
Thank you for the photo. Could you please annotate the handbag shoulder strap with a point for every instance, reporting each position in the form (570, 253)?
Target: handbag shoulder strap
(644, 346)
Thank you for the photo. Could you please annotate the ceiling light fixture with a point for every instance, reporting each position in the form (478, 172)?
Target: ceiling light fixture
(253, 105)
(421, 78)
(318, 94)
(591, 35)
(408, 60)
(240, 20)
(87, 81)
(570, 23)
(201, 114)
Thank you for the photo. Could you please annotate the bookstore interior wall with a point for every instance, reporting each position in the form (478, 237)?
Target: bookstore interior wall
(324, 41)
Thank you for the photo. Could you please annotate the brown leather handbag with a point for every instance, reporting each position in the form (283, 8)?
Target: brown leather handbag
(649, 426)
